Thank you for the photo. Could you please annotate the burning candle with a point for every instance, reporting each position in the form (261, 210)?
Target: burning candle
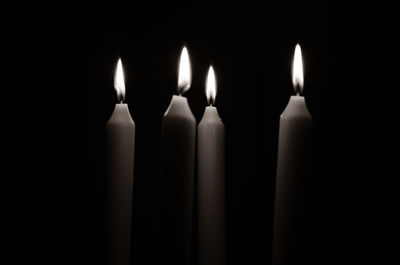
(177, 172)
(211, 181)
(293, 154)
(120, 147)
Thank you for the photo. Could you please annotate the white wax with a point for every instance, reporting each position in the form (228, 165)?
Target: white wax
(211, 189)
(120, 147)
(291, 180)
(177, 182)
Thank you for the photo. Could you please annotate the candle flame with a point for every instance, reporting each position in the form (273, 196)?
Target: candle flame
(211, 86)
(297, 70)
(185, 72)
(119, 83)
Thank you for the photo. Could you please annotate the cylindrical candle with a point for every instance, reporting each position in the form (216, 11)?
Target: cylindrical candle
(211, 182)
(177, 174)
(294, 148)
(120, 147)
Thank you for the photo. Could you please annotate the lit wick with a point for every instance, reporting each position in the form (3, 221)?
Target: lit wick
(119, 81)
(297, 71)
(211, 86)
(185, 73)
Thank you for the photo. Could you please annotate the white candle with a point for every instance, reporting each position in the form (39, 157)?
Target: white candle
(211, 182)
(293, 154)
(177, 173)
(120, 144)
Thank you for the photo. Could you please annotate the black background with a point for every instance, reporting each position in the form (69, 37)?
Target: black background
(56, 132)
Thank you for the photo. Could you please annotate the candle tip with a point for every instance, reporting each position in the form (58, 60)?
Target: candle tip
(119, 82)
(211, 86)
(185, 72)
(297, 70)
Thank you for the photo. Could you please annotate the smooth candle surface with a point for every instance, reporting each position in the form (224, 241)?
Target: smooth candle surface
(177, 182)
(211, 189)
(291, 183)
(120, 144)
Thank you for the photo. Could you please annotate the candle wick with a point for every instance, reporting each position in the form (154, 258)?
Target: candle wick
(297, 90)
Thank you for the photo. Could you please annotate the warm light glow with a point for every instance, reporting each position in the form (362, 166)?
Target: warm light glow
(297, 70)
(211, 86)
(185, 72)
(119, 83)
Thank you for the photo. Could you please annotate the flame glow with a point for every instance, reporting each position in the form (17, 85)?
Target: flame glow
(185, 72)
(211, 86)
(297, 70)
(119, 83)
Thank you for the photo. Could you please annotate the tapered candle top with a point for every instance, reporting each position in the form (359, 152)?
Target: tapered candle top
(119, 83)
(185, 72)
(211, 86)
(297, 70)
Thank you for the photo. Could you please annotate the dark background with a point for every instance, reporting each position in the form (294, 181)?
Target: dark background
(56, 134)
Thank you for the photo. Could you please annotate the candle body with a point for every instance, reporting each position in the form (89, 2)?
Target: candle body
(177, 182)
(211, 189)
(120, 146)
(291, 182)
